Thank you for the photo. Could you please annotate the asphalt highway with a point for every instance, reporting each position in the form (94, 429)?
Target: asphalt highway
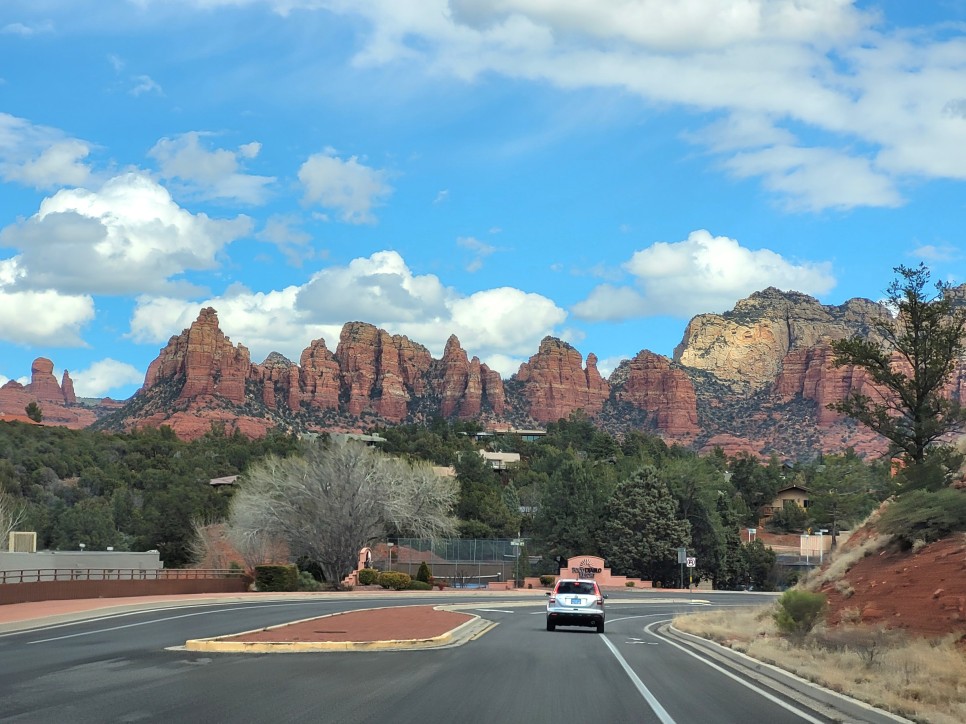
(128, 668)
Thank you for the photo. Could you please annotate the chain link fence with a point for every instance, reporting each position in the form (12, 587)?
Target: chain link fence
(461, 562)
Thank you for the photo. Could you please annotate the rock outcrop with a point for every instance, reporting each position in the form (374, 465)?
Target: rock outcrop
(555, 382)
(759, 378)
(57, 401)
(650, 382)
(747, 346)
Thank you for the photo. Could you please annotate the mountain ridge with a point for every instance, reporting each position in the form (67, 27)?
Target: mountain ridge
(757, 378)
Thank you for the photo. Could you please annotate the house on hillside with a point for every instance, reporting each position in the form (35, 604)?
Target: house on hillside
(789, 495)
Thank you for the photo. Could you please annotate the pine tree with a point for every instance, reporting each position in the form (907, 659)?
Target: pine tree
(641, 532)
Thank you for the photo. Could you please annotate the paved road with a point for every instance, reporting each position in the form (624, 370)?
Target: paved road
(120, 669)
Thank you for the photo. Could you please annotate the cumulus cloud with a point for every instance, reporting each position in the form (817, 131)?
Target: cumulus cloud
(127, 236)
(379, 289)
(25, 30)
(347, 187)
(46, 318)
(210, 174)
(103, 376)
(700, 274)
(39, 156)
(936, 252)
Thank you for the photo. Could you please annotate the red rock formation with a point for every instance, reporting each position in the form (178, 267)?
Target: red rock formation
(56, 407)
(43, 385)
(67, 388)
(380, 372)
(556, 383)
(319, 379)
(205, 359)
(650, 382)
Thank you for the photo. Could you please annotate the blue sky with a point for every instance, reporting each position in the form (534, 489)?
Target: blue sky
(501, 170)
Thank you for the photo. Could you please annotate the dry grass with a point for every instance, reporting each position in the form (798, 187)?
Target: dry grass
(924, 680)
(844, 560)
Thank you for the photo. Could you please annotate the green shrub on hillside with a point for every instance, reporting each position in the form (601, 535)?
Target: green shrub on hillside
(424, 574)
(924, 515)
(418, 585)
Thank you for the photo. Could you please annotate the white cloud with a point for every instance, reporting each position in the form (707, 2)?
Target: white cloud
(823, 82)
(26, 30)
(281, 230)
(39, 156)
(816, 178)
(210, 174)
(145, 84)
(936, 253)
(45, 318)
(378, 287)
(346, 186)
(704, 273)
(103, 376)
(127, 236)
(480, 251)
(502, 323)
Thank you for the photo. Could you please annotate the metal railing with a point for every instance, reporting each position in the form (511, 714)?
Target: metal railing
(115, 574)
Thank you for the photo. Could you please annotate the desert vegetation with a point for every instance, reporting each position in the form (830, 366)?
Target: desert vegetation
(923, 679)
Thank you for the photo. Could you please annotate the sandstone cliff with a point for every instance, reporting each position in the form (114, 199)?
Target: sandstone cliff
(747, 346)
(758, 379)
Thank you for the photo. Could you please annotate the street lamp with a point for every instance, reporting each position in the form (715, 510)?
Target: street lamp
(389, 546)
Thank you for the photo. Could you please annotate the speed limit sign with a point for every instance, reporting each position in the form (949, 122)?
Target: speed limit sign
(692, 562)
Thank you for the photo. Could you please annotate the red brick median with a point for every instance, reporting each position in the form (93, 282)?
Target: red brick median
(377, 624)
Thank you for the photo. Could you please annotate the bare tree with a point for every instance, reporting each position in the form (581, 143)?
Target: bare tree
(338, 497)
(12, 514)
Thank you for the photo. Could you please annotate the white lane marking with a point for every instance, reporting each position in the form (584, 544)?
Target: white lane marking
(493, 610)
(785, 705)
(152, 621)
(644, 691)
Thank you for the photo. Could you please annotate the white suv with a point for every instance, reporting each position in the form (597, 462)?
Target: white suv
(575, 602)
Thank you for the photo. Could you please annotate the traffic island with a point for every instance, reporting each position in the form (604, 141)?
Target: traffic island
(373, 629)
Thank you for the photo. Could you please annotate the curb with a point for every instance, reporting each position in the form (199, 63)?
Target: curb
(466, 631)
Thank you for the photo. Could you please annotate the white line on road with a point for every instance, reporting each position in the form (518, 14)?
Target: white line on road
(492, 610)
(152, 621)
(741, 681)
(644, 691)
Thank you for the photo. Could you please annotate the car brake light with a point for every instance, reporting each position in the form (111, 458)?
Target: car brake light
(600, 600)
(552, 600)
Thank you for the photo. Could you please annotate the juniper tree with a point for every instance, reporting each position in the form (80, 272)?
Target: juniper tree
(910, 358)
(641, 531)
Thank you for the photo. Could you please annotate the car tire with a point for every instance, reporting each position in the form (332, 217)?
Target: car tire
(551, 625)
(600, 627)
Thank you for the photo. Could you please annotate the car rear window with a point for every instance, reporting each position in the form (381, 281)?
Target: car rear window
(576, 587)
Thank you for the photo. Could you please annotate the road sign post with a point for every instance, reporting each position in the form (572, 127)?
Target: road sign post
(682, 557)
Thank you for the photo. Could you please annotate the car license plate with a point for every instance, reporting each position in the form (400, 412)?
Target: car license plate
(575, 601)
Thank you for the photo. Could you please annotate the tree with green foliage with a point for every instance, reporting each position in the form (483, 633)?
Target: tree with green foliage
(731, 573)
(34, 412)
(910, 358)
(760, 563)
(424, 574)
(641, 530)
(757, 484)
(482, 509)
(572, 504)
